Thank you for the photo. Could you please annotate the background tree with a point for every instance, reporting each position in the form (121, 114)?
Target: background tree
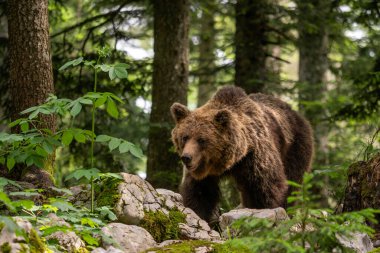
(207, 43)
(30, 69)
(170, 80)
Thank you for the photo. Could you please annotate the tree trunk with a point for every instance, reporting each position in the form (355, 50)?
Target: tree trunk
(313, 45)
(363, 188)
(170, 80)
(250, 40)
(31, 76)
(207, 86)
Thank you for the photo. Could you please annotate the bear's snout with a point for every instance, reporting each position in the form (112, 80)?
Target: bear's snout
(186, 159)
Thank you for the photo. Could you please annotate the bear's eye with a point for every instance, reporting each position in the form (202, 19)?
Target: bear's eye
(185, 138)
(202, 142)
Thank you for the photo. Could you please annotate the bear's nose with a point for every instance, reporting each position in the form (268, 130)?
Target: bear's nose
(186, 159)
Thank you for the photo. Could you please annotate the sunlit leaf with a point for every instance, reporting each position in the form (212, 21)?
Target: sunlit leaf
(76, 109)
(103, 138)
(112, 109)
(67, 137)
(83, 173)
(114, 143)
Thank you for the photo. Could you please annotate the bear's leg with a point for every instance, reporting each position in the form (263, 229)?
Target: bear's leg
(260, 187)
(202, 196)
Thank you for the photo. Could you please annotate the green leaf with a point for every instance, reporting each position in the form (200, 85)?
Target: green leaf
(111, 175)
(26, 204)
(4, 182)
(24, 126)
(14, 123)
(114, 143)
(100, 101)
(124, 147)
(112, 109)
(7, 202)
(48, 230)
(79, 174)
(85, 101)
(48, 147)
(111, 73)
(10, 163)
(2, 160)
(106, 212)
(79, 137)
(121, 72)
(103, 138)
(62, 190)
(38, 161)
(93, 95)
(30, 109)
(89, 239)
(89, 221)
(76, 109)
(34, 114)
(67, 137)
(105, 67)
(136, 151)
(42, 152)
(74, 62)
(121, 65)
(62, 205)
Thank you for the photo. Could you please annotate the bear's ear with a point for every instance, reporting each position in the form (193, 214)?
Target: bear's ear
(179, 112)
(222, 118)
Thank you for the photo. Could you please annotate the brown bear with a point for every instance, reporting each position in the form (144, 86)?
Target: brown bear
(257, 139)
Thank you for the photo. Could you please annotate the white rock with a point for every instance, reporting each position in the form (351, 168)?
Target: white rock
(16, 243)
(67, 240)
(129, 238)
(108, 250)
(228, 218)
(359, 242)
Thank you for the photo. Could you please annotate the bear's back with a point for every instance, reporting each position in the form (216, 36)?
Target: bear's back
(269, 101)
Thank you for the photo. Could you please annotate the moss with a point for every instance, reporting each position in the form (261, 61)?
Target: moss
(183, 247)
(36, 245)
(5, 248)
(81, 250)
(107, 194)
(163, 227)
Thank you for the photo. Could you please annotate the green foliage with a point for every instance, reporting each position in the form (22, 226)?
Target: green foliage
(184, 247)
(161, 226)
(80, 220)
(308, 230)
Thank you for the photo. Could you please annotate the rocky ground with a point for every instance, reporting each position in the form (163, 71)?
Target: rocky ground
(148, 220)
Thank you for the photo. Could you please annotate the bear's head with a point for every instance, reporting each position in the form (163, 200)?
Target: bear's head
(208, 140)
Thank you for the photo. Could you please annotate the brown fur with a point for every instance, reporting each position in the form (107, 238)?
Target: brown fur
(256, 139)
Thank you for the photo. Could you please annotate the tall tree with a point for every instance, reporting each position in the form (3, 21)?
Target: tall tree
(251, 72)
(170, 80)
(313, 45)
(207, 57)
(31, 78)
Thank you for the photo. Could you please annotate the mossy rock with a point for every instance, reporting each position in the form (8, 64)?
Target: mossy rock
(107, 193)
(191, 246)
(183, 247)
(5, 248)
(35, 243)
(161, 226)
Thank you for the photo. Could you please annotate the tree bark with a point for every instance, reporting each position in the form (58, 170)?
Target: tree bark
(363, 188)
(251, 72)
(207, 86)
(170, 81)
(31, 76)
(313, 45)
